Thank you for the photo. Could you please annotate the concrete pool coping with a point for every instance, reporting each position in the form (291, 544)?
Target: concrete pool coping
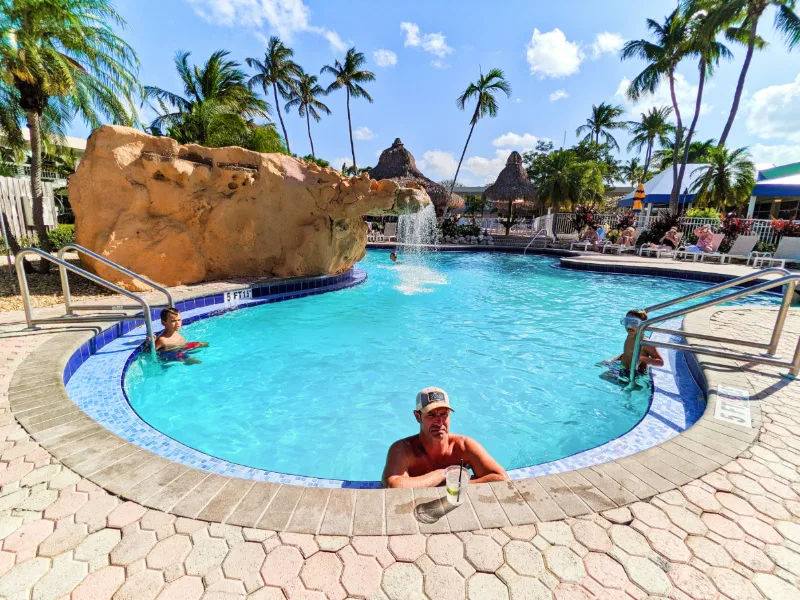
(40, 403)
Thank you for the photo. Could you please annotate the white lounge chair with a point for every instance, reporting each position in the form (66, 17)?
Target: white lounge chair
(683, 252)
(660, 251)
(742, 248)
(788, 250)
(390, 232)
(601, 234)
(619, 248)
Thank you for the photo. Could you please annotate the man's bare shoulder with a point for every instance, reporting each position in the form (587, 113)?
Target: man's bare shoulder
(405, 445)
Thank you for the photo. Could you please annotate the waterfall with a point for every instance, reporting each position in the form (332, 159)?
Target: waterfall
(418, 228)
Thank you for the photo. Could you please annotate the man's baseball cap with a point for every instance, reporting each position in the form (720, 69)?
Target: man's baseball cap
(431, 398)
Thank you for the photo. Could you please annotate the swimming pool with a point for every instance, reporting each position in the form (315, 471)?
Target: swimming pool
(320, 386)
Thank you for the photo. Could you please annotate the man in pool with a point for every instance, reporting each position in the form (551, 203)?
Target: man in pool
(420, 460)
(171, 345)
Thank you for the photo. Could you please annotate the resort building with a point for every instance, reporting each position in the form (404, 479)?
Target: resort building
(777, 193)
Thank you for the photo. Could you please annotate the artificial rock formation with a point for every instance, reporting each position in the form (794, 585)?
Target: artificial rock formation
(184, 214)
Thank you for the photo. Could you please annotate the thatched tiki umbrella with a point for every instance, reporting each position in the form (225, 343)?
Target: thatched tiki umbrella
(397, 163)
(512, 186)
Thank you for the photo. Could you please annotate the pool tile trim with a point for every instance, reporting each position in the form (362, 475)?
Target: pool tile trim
(37, 392)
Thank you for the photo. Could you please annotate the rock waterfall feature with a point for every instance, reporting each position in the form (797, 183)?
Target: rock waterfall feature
(184, 214)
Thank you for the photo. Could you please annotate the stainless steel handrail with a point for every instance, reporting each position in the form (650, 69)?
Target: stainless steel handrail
(533, 239)
(789, 280)
(65, 280)
(26, 295)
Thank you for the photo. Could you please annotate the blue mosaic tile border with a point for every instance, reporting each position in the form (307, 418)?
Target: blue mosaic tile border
(97, 387)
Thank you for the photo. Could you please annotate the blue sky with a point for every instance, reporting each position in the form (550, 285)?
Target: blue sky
(560, 57)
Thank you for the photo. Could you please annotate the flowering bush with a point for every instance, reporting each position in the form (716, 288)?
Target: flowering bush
(732, 226)
(624, 220)
(585, 214)
(787, 228)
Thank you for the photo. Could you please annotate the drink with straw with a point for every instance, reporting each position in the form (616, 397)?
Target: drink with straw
(455, 477)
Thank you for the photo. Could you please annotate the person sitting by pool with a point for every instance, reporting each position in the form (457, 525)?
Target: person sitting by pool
(705, 239)
(626, 239)
(648, 356)
(590, 235)
(669, 240)
(171, 345)
(420, 460)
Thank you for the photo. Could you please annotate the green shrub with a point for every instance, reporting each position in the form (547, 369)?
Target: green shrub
(703, 213)
(61, 236)
(466, 230)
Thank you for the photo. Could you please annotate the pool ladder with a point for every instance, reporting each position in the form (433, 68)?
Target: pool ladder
(787, 279)
(543, 234)
(70, 317)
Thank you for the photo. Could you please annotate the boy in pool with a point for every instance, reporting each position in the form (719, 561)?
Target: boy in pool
(648, 356)
(171, 345)
(393, 257)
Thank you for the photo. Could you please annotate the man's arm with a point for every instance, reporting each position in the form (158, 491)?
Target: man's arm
(483, 465)
(651, 356)
(395, 473)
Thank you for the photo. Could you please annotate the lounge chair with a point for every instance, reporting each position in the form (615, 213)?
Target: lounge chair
(646, 250)
(619, 248)
(683, 252)
(601, 234)
(390, 232)
(788, 250)
(742, 248)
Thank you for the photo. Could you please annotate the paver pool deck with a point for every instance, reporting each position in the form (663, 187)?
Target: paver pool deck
(718, 516)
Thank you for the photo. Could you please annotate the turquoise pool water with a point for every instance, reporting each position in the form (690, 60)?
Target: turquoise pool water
(320, 386)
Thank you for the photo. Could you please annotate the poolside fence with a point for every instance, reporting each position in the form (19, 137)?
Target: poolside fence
(17, 206)
(561, 224)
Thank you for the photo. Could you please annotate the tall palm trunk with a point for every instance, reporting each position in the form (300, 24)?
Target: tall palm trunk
(647, 156)
(674, 195)
(280, 116)
(698, 102)
(460, 160)
(308, 124)
(350, 126)
(37, 192)
(737, 96)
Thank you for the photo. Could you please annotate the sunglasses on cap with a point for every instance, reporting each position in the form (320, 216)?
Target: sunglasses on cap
(631, 322)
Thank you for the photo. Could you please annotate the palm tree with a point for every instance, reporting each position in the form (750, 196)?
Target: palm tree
(484, 91)
(217, 103)
(728, 180)
(604, 119)
(662, 57)
(305, 99)
(561, 177)
(633, 172)
(703, 44)
(278, 70)
(747, 14)
(348, 75)
(65, 54)
(699, 152)
(653, 126)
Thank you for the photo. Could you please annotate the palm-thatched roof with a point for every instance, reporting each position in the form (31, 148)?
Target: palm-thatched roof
(397, 163)
(512, 183)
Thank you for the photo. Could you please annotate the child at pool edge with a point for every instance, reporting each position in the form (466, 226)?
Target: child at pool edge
(171, 344)
(648, 356)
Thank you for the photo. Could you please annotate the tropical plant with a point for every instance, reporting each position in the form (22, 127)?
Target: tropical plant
(475, 204)
(604, 119)
(64, 56)
(217, 108)
(584, 215)
(279, 71)
(733, 226)
(562, 178)
(632, 172)
(304, 97)
(727, 181)
(662, 56)
(320, 162)
(746, 15)
(61, 236)
(786, 228)
(703, 213)
(601, 156)
(699, 152)
(653, 127)
(624, 220)
(348, 75)
(704, 28)
(484, 92)
(665, 221)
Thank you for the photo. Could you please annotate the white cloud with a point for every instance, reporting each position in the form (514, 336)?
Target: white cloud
(521, 143)
(558, 95)
(517, 100)
(363, 133)
(774, 112)
(550, 54)
(777, 155)
(438, 164)
(606, 42)
(283, 17)
(337, 163)
(384, 58)
(433, 43)
(685, 92)
(486, 169)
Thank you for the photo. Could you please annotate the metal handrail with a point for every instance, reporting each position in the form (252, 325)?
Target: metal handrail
(65, 280)
(535, 236)
(26, 295)
(789, 280)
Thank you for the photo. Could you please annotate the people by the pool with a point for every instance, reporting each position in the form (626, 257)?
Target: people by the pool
(393, 257)
(420, 460)
(648, 356)
(171, 345)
